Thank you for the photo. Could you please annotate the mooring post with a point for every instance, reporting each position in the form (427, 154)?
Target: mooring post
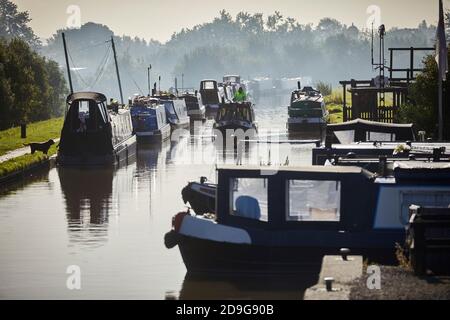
(23, 130)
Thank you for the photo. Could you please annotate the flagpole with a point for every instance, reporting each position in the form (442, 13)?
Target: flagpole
(441, 116)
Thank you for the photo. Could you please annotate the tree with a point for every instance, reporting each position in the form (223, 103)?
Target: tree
(32, 88)
(14, 24)
(422, 107)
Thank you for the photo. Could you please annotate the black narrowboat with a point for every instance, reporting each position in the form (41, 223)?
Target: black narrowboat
(94, 133)
(285, 221)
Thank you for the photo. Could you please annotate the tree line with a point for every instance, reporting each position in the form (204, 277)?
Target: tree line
(252, 45)
(32, 87)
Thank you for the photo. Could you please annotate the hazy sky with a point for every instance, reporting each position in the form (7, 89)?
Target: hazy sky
(160, 19)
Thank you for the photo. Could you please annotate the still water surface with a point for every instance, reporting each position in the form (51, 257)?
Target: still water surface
(111, 223)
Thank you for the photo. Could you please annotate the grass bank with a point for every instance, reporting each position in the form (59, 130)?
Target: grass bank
(36, 132)
(25, 161)
(334, 103)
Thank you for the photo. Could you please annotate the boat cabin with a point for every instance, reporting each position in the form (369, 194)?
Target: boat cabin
(176, 110)
(365, 131)
(242, 112)
(328, 207)
(232, 79)
(148, 114)
(209, 92)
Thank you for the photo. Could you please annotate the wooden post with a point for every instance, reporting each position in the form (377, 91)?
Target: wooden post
(23, 131)
(344, 107)
(391, 64)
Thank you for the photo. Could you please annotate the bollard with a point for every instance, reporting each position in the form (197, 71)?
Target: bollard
(344, 253)
(329, 283)
(23, 131)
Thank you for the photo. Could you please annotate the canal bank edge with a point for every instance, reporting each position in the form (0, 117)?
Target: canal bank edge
(46, 163)
(343, 273)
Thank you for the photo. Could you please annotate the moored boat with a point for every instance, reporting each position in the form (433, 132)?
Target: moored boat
(176, 112)
(307, 112)
(195, 108)
(236, 118)
(286, 222)
(149, 120)
(210, 95)
(201, 196)
(94, 133)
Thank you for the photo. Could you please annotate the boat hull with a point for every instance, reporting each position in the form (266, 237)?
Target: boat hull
(122, 152)
(152, 137)
(204, 256)
(209, 256)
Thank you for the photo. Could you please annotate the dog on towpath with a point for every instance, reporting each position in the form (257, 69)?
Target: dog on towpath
(43, 146)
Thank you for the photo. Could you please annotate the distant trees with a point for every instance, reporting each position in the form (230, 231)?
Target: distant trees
(31, 87)
(249, 44)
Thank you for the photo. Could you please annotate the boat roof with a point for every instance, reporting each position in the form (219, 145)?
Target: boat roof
(367, 123)
(97, 97)
(311, 169)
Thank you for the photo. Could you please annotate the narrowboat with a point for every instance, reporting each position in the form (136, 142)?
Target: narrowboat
(195, 108)
(176, 112)
(95, 133)
(367, 139)
(232, 79)
(233, 117)
(209, 91)
(150, 124)
(307, 112)
(285, 221)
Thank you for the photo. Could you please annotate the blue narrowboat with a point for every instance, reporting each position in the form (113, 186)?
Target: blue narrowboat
(149, 120)
(176, 112)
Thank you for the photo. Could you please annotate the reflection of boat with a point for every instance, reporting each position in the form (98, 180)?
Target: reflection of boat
(209, 92)
(248, 287)
(307, 111)
(287, 221)
(236, 116)
(149, 120)
(201, 196)
(88, 204)
(195, 108)
(94, 134)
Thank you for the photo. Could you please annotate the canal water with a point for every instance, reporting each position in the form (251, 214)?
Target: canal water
(111, 224)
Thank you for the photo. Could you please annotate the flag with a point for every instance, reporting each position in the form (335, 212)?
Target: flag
(441, 45)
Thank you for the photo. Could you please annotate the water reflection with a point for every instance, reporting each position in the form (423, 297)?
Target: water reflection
(89, 202)
(248, 287)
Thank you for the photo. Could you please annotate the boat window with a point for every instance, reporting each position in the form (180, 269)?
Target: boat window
(345, 137)
(380, 136)
(310, 200)
(208, 85)
(249, 198)
(169, 107)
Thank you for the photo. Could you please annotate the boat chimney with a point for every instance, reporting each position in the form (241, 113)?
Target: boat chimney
(299, 85)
